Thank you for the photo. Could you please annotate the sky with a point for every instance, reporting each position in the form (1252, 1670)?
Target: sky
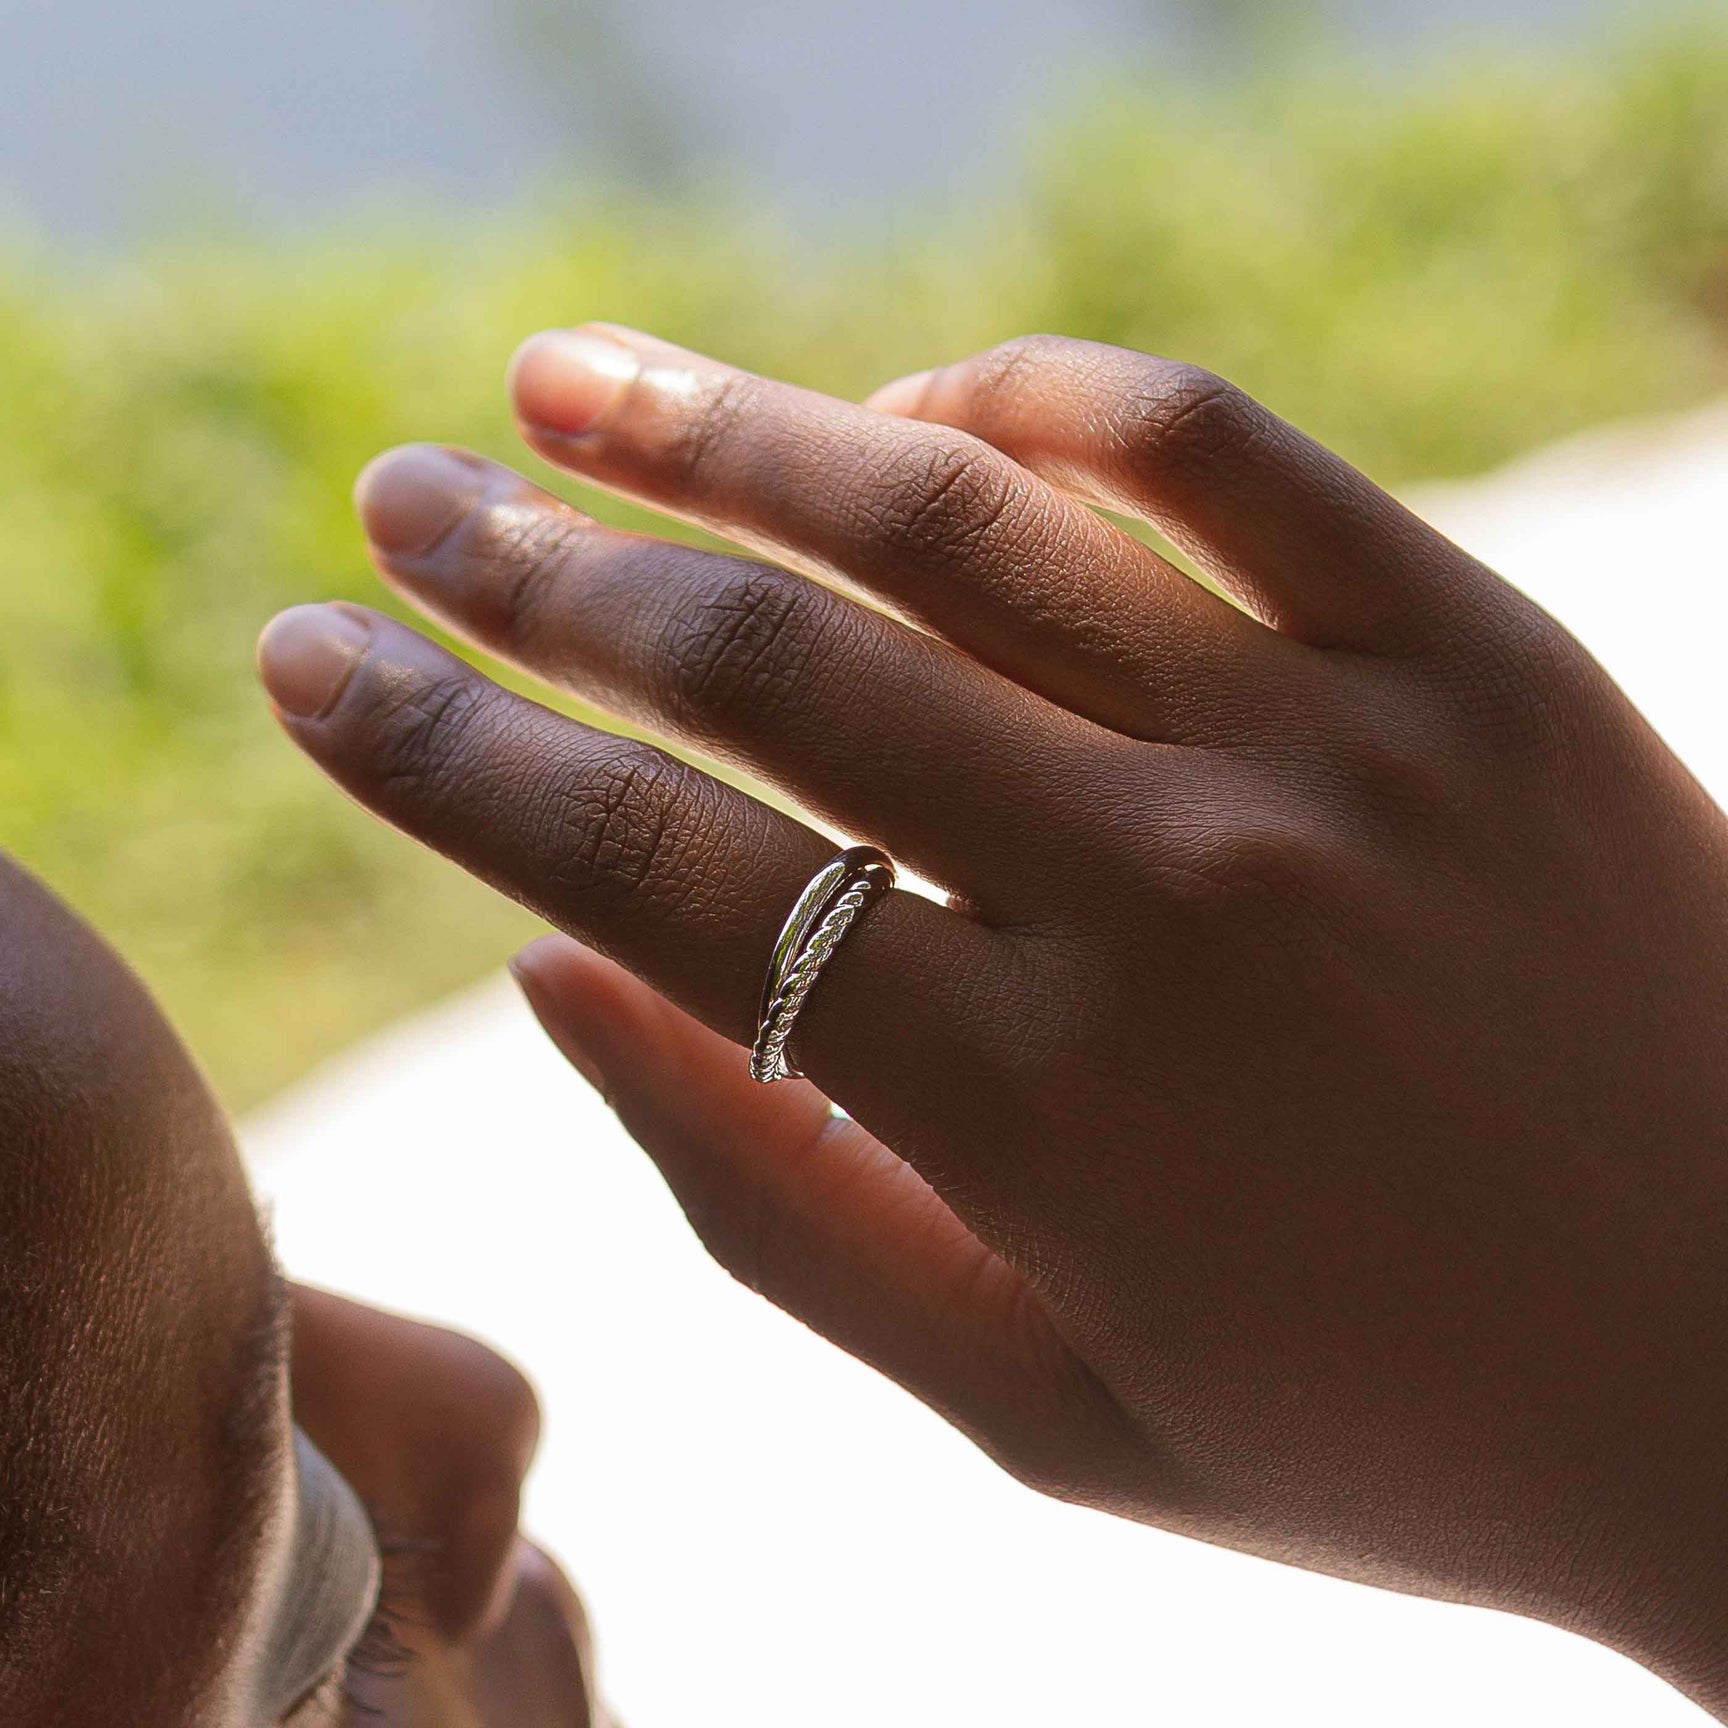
(118, 116)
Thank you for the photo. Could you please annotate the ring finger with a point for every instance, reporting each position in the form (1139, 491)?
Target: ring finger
(683, 879)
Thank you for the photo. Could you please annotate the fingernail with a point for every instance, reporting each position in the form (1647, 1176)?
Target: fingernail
(903, 396)
(307, 655)
(567, 381)
(410, 499)
(525, 970)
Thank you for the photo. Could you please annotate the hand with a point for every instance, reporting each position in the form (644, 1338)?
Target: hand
(1304, 1129)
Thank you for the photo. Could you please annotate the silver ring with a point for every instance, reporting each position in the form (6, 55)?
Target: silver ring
(839, 894)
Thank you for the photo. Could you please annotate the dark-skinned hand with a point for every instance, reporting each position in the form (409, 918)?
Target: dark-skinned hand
(1306, 1125)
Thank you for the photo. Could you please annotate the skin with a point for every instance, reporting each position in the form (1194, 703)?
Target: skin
(1303, 1127)
(152, 1378)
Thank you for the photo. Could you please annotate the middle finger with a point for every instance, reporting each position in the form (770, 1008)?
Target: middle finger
(948, 530)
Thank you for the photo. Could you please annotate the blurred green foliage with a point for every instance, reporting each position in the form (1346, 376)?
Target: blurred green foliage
(1431, 276)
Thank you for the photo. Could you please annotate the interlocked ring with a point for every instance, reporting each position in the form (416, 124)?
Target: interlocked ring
(839, 894)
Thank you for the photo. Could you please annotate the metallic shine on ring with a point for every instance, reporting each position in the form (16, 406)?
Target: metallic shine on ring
(839, 894)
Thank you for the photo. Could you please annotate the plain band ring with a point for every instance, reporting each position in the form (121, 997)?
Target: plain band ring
(838, 895)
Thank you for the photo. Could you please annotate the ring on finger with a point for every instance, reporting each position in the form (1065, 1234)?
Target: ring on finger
(833, 902)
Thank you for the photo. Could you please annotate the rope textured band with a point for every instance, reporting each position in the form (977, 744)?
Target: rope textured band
(838, 895)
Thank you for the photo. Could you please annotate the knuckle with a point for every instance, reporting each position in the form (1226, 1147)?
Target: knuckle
(529, 553)
(421, 731)
(710, 424)
(1264, 864)
(618, 831)
(740, 647)
(1008, 370)
(1183, 418)
(1407, 782)
(948, 502)
(1388, 748)
(1267, 859)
